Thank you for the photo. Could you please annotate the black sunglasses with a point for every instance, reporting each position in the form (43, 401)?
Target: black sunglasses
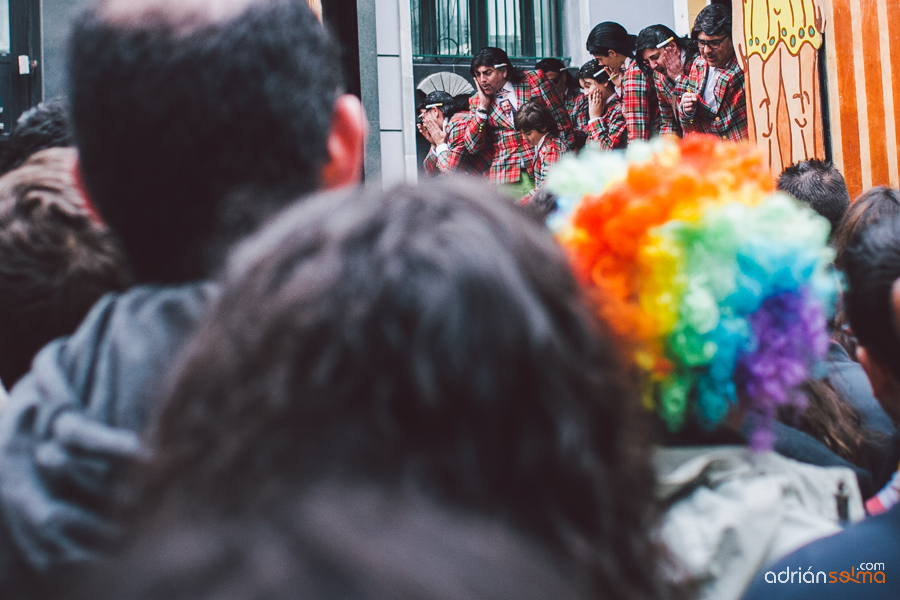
(714, 44)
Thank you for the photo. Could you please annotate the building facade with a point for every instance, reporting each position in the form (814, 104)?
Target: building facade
(403, 43)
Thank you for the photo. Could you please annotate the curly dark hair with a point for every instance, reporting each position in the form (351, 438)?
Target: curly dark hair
(56, 261)
(335, 542)
(821, 186)
(424, 336)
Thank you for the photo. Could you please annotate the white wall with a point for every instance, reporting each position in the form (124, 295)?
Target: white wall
(396, 91)
(580, 16)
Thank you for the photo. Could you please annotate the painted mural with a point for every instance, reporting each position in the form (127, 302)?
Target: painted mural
(783, 46)
(863, 72)
(778, 43)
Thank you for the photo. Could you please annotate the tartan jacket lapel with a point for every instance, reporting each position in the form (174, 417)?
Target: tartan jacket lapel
(522, 92)
(722, 84)
(724, 80)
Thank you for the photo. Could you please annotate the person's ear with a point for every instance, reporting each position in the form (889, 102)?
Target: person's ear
(346, 144)
(78, 180)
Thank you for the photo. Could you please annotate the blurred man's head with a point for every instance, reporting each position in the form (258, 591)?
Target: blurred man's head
(820, 185)
(197, 119)
(872, 266)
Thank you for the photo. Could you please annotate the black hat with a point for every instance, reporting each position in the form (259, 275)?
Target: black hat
(437, 99)
(613, 36)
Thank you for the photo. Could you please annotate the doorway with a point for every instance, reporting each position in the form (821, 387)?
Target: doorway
(20, 53)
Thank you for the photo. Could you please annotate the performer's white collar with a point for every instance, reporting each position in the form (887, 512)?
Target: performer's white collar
(507, 87)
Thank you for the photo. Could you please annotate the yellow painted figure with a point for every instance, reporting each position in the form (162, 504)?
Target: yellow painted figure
(779, 50)
(792, 23)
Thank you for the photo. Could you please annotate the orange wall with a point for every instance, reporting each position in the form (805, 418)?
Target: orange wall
(864, 90)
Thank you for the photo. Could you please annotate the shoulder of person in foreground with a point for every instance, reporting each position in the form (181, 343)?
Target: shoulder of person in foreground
(69, 428)
(856, 563)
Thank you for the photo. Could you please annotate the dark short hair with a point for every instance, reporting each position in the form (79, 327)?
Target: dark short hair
(870, 207)
(189, 137)
(495, 57)
(610, 36)
(820, 185)
(442, 101)
(651, 37)
(47, 125)
(550, 65)
(871, 265)
(535, 116)
(593, 70)
(431, 337)
(340, 541)
(714, 20)
(55, 262)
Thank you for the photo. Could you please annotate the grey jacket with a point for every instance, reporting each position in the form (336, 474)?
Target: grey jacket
(730, 512)
(72, 424)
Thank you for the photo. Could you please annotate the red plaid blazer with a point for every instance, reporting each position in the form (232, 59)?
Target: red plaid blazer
(546, 156)
(668, 96)
(495, 134)
(729, 122)
(579, 113)
(640, 104)
(455, 158)
(609, 132)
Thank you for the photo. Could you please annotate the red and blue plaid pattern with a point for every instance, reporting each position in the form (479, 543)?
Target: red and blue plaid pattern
(495, 135)
(456, 159)
(729, 122)
(610, 131)
(546, 157)
(640, 104)
(579, 113)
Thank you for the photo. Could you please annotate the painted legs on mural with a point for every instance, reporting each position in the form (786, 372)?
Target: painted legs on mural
(765, 84)
(799, 74)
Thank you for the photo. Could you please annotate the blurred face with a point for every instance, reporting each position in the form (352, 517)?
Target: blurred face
(533, 137)
(490, 79)
(718, 51)
(588, 85)
(652, 57)
(613, 60)
(606, 90)
(559, 80)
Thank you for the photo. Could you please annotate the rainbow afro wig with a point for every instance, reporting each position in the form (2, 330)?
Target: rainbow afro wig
(721, 287)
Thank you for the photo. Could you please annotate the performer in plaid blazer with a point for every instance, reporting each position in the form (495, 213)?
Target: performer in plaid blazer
(536, 125)
(501, 90)
(568, 88)
(443, 125)
(606, 128)
(712, 97)
(669, 57)
(613, 48)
